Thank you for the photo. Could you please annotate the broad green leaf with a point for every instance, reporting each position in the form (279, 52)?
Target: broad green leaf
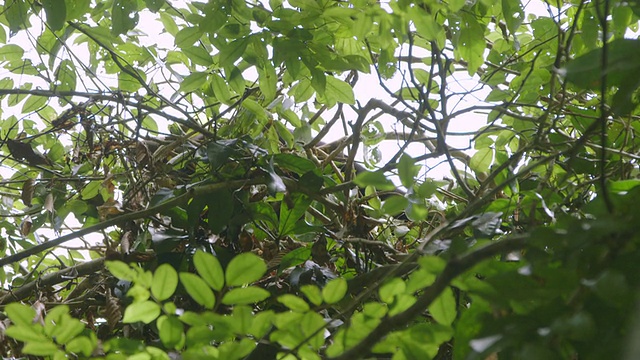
(293, 302)
(20, 314)
(198, 55)
(513, 14)
(188, 36)
(67, 329)
(289, 216)
(209, 269)
(121, 270)
(198, 289)
(169, 23)
(444, 308)
(130, 79)
(339, 90)
(165, 282)
(262, 323)
(232, 51)
(193, 82)
(221, 207)
(154, 5)
(268, 80)
(220, 88)
(77, 8)
(244, 269)
(376, 179)
(407, 170)
(471, 44)
(295, 257)
(394, 205)
(481, 160)
(245, 296)
(255, 108)
(171, 330)
(34, 103)
(40, 348)
(26, 333)
(334, 290)
(313, 294)
(145, 311)
(65, 76)
(16, 13)
(81, 345)
(391, 289)
(124, 16)
(11, 52)
(56, 11)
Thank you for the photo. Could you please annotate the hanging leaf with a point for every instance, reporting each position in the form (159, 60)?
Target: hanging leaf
(56, 11)
(28, 188)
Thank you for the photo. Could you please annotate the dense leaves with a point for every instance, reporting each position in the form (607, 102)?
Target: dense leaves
(319, 179)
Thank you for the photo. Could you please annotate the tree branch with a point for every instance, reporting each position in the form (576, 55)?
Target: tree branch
(454, 268)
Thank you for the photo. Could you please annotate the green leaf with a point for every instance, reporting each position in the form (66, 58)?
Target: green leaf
(294, 257)
(171, 330)
(20, 314)
(81, 345)
(334, 290)
(289, 216)
(15, 12)
(394, 205)
(67, 329)
(198, 289)
(34, 103)
(128, 82)
(65, 76)
(245, 296)
(293, 302)
(268, 81)
(56, 11)
(187, 37)
(376, 179)
(443, 308)
(144, 311)
(40, 348)
(471, 43)
(221, 207)
(244, 269)
(11, 52)
(209, 269)
(407, 170)
(339, 90)
(255, 108)
(481, 160)
(193, 82)
(124, 16)
(26, 333)
(198, 55)
(220, 88)
(154, 5)
(232, 51)
(513, 13)
(121, 270)
(165, 282)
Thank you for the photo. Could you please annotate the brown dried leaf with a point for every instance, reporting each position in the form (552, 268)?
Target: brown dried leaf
(48, 203)
(25, 227)
(28, 187)
(109, 208)
(112, 311)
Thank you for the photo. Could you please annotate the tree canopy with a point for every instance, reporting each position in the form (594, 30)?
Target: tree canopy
(312, 179)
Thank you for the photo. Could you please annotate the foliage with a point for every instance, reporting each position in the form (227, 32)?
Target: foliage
(176, 185)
